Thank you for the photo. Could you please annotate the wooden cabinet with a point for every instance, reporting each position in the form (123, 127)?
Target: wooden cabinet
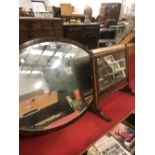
(112, 10)
(32, 28)
(87, 34)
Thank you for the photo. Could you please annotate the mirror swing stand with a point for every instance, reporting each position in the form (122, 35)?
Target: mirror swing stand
(94, 106)
(96, 109)
(121, 86)
(129, 90)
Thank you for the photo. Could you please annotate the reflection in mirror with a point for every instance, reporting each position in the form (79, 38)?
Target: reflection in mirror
(111, 69)
(51, 88)
(110, 73)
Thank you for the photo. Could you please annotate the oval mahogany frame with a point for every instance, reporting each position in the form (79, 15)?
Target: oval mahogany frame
(31, 132)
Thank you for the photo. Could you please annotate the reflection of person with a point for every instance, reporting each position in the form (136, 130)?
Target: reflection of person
(88, 14)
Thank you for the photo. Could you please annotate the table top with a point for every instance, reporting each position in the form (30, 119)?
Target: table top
(37, 102)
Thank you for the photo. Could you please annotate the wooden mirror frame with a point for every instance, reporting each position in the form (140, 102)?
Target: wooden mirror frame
(123, 84)
(93, 102)
(87, 99)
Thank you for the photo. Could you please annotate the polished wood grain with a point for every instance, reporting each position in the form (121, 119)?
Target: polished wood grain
(87, 34)
(123, 83)
(31, 28)
(131, 48)
(98, 53)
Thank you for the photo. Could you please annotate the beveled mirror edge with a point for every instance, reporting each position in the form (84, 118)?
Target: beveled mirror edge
(88, 100)
(36, 132)
(45, 39)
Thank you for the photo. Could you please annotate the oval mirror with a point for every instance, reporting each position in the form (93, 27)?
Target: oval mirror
(54, 84)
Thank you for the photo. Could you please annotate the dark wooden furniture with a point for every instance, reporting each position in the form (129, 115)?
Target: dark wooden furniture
(110, 73)
(31, 28)
(106, 33)
(106, 37)
(112, 12)
(87, 34)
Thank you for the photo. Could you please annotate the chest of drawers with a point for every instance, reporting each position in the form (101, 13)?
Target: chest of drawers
(31, 28)
(87, 34)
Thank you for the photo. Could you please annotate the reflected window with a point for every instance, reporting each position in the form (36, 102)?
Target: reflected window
(50, 93)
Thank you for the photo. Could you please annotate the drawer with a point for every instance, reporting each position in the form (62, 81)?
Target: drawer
(74, 30)
(59, 33)
(92, 34)
(29, 25)
(26, 36)
(48, 33)
(92, 29)
(77, 37)
(29, 35)
(51, 25)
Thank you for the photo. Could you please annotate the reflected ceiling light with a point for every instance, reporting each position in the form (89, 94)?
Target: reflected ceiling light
(56, 64)
(35, 46)
(58, 54)
(38, 85)
(34, 51)
(37, 72)
(45, 43)
(38, 52)
(74, 46)
(25, 72)
(22, 60)
(29, 71)
(48, 53)
(68, 55)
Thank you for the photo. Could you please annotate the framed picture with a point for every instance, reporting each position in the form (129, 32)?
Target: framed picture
(110, 70)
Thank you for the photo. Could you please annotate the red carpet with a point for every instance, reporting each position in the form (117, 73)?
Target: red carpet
(73, 139)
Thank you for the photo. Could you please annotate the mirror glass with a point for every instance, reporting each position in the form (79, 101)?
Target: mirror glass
(54, 82)
(111, 68)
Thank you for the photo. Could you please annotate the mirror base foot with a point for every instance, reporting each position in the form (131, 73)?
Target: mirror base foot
(98, 111)
(129, 90)
(105, 117)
